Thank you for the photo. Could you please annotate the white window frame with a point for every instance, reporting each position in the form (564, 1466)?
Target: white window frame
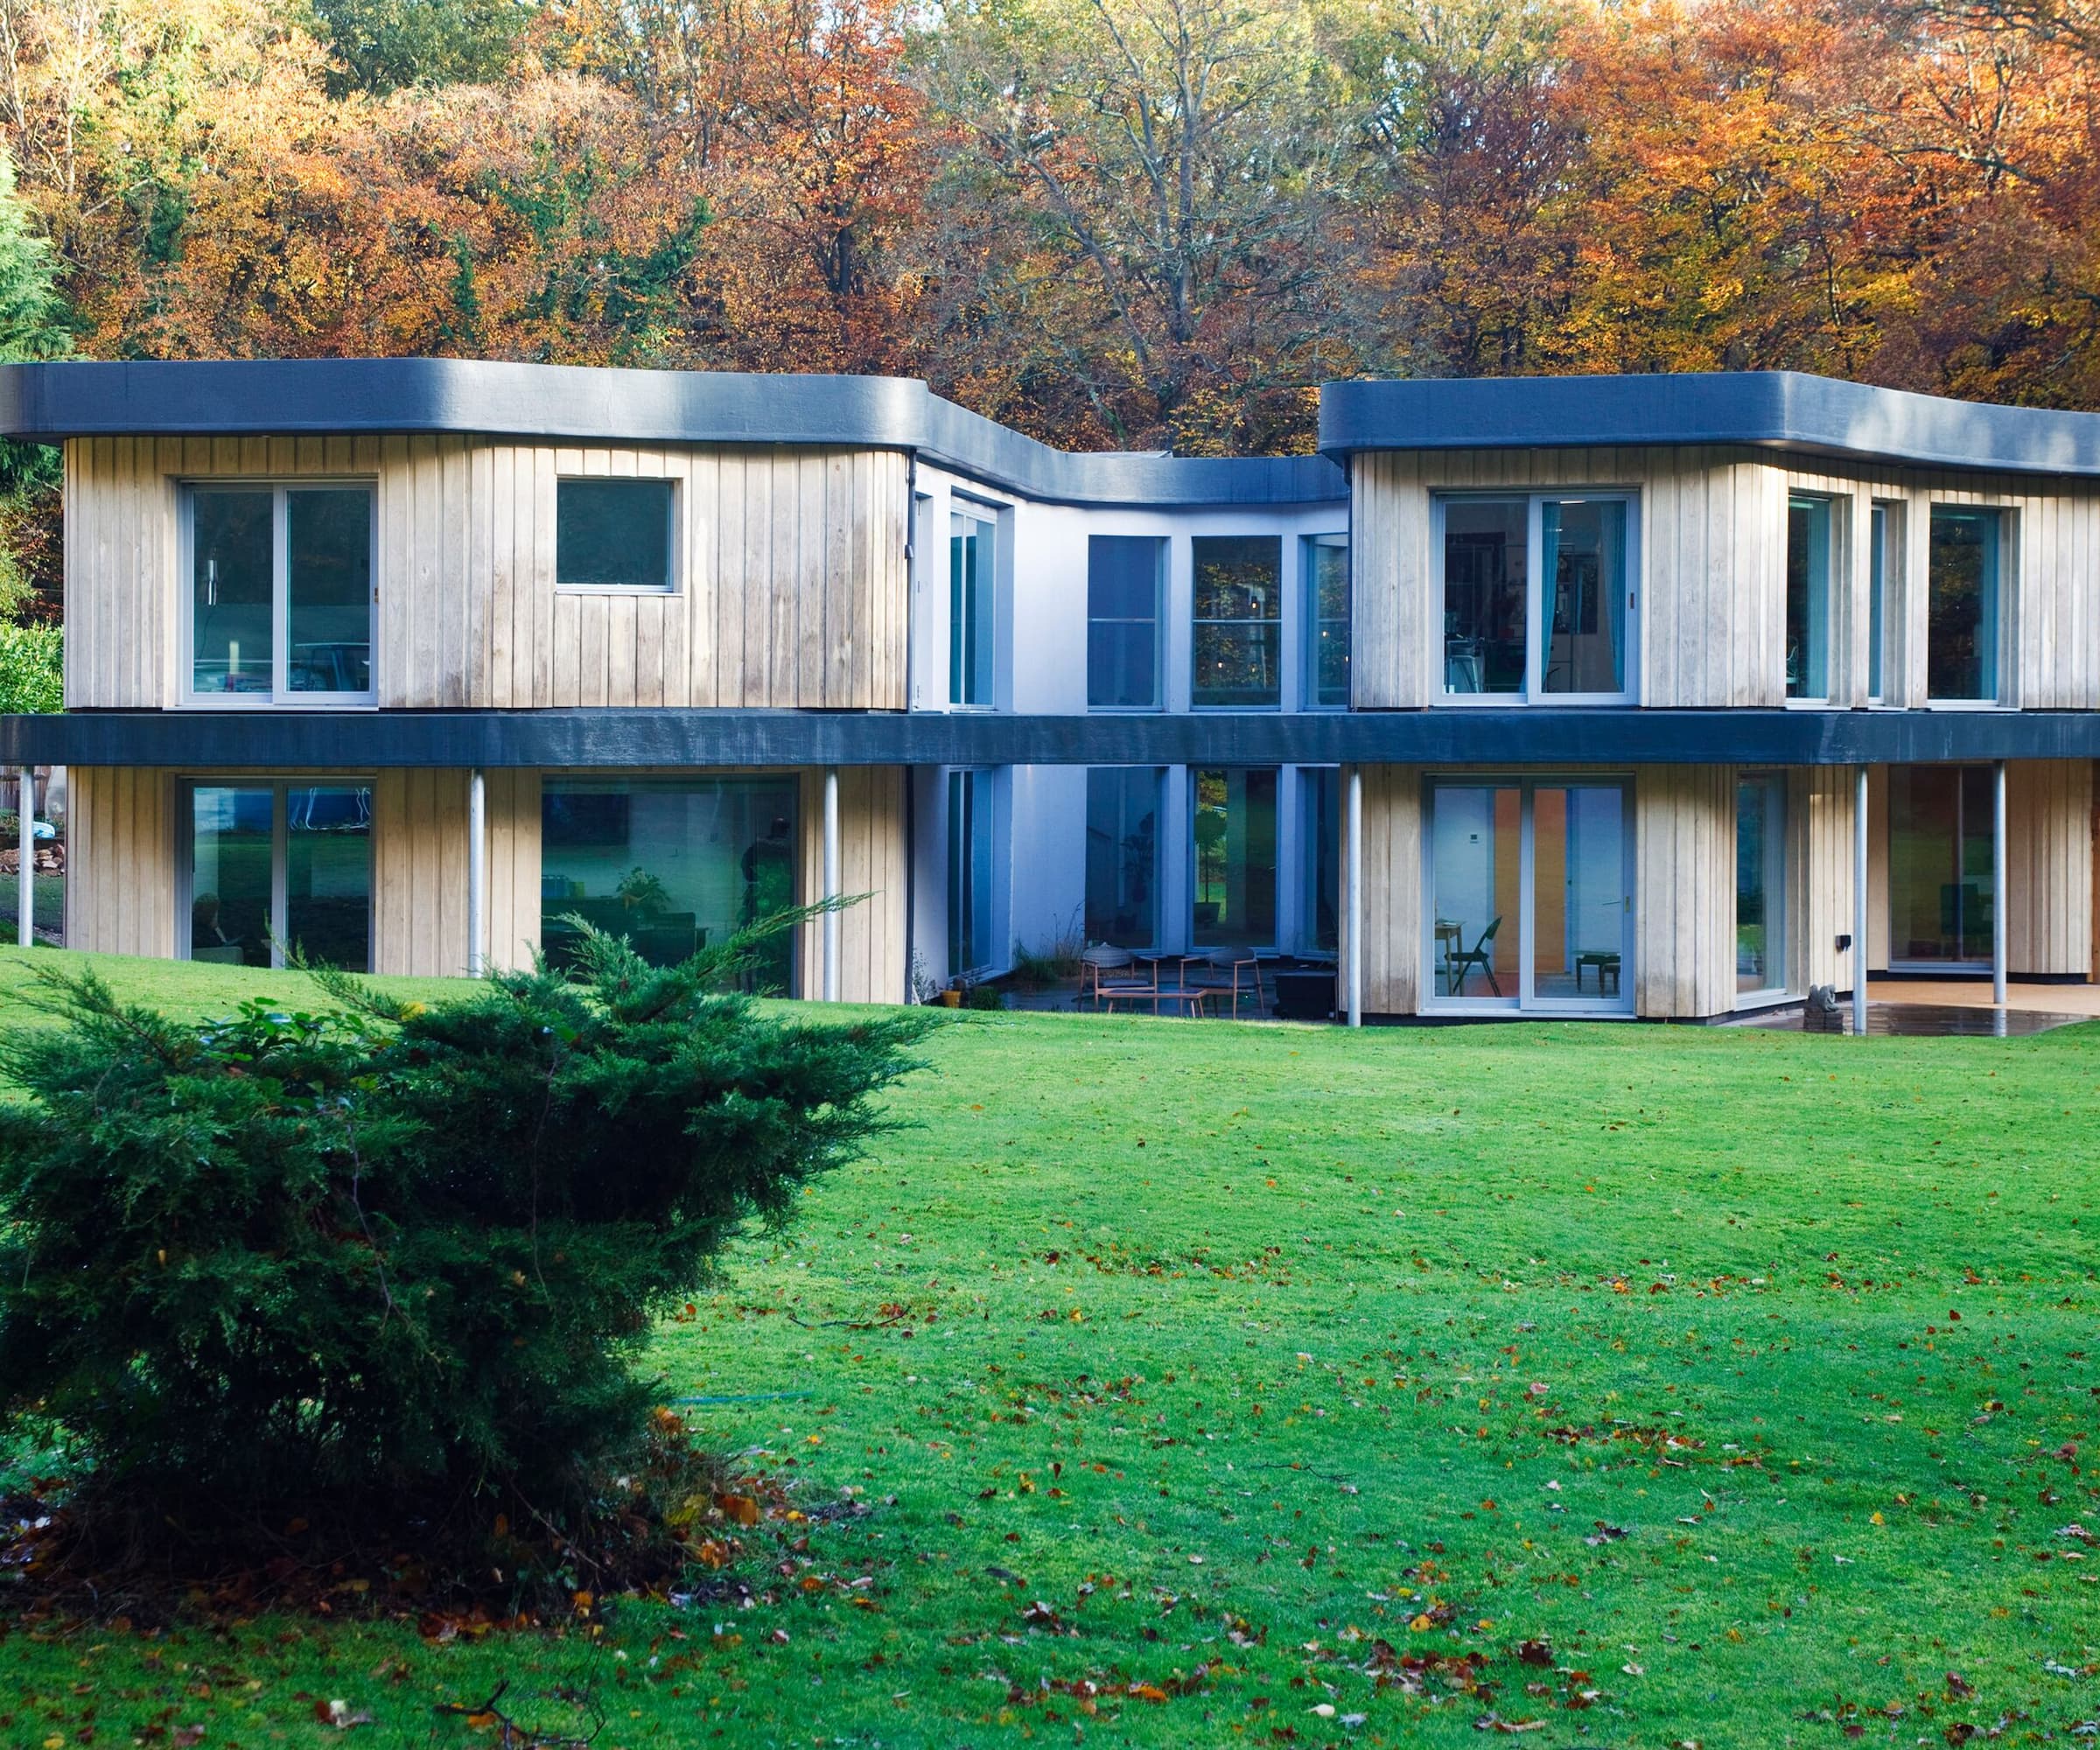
(2002, 696)
(281, 697)
(1836, 544)
(1534, 693)
(1308, 589)
(1164, 555)
(280, 834)
(674, 551)
(988, 516)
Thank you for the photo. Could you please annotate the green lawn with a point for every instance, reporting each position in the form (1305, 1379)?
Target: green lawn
(1242, 1373)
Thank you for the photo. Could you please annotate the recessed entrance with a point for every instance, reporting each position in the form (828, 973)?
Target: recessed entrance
(1940, 898)
(1530, 896)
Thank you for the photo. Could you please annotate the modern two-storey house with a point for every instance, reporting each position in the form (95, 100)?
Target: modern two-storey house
(1638, 697)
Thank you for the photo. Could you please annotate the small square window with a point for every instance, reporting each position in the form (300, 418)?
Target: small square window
(612, 535)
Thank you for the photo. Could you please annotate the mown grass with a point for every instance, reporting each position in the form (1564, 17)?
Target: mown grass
(1754, 1375)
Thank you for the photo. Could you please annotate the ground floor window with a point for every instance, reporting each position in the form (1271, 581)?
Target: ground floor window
(1531, 895)
(1760, 883)
(1123, 855)
(672, 864)
(278, 866)
(1320, 856)
(1233, 822)
(970, 845)
(1940, 895)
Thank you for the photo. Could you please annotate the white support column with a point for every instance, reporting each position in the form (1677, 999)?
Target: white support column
(1355, 993)
(1859, 905)
(477, 874)
(1998, 884)
(25, 895)
(830, 985)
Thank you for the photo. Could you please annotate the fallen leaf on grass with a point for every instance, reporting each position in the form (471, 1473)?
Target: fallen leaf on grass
(339, 1714)
(1605, 1534)
(1491, 1722)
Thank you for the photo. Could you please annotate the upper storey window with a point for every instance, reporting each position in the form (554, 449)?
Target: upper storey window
(1238, 618)
(1537, 596)
(1326, 587)
(612, 535)
(1126, 578)
(1962, 617)
(971, 585)
(281, 594)
(1807, 598)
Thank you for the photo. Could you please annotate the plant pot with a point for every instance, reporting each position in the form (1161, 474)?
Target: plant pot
(951, 999)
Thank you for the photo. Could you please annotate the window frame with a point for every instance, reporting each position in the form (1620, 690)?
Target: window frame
(280, 843)
(1157, 775)
(961, 631)
(979, 784)
(1778, 866)
(1162, 563)
(1313, 622)
(280, 698)
(1834, 544)
(1888, 523)
(1992, 624)
(1192, 775)
(1533, 693)
(674, 553)
(1196, 702)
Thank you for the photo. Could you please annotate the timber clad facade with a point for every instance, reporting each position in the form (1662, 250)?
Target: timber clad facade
(1546, 697)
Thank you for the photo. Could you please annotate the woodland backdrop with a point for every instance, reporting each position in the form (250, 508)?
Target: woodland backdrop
(1154, 223)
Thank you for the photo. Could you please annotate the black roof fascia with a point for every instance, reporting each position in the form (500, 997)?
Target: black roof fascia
(604, 739)
(77, 398)
(1782, 410)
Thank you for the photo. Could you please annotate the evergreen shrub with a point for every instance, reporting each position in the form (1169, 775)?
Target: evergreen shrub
(391, 1250)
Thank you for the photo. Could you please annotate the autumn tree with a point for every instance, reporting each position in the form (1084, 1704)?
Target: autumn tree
(380, 46)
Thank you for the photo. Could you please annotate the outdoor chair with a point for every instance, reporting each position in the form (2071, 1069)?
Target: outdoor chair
(1107, 972)
(1481, 956)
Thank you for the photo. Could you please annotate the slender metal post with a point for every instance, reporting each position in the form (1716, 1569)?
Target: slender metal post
(477, 874)
(830, 985)
(26, 896)
(1859, 905)
(1355, 896)
(1998, 884)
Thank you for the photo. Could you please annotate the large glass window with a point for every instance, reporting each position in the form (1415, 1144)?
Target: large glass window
(1238, 619)
(1530, 896)
(1320, 852)
(672, 864)
(1126, 578)
(972, 590)
(1760, 883)
(612, 534)
(1961, 639)
(1537, 596)
(1123, 855)
(1940, 863)
(1326, 587)
(1807, 598)
(970, 846)
(280, 591)
(1234, 825)
(279, 865)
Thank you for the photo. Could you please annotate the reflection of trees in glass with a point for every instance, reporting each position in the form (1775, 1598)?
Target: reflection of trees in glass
(1211, 829)
(1237, 619)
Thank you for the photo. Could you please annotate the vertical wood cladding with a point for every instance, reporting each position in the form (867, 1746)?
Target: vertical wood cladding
(2048, 867)
(1710, 563)
(1392, 890)
(872, 856)
(789, 563)
(121, 860)
(1684, 890)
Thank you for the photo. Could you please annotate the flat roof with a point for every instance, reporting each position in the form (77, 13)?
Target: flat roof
(1771, 409)
(77, 398)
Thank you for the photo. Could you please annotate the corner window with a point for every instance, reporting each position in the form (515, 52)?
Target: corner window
(1123, 855)
(972, 583)
(1962, 614)
(1807, 598)
(1126, 576)
(969, 866)
(279, 865)
(1326, 591)
(1537, 596)
(281, 594)
(612, 535)
(1238, 620)
(1234, 825)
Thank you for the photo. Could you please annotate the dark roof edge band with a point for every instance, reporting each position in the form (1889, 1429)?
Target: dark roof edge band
(1773, 410)
(77, 398)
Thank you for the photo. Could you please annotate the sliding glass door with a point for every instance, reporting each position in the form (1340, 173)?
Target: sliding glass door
(1939, 866)
(1530, 896)
(281, 865)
